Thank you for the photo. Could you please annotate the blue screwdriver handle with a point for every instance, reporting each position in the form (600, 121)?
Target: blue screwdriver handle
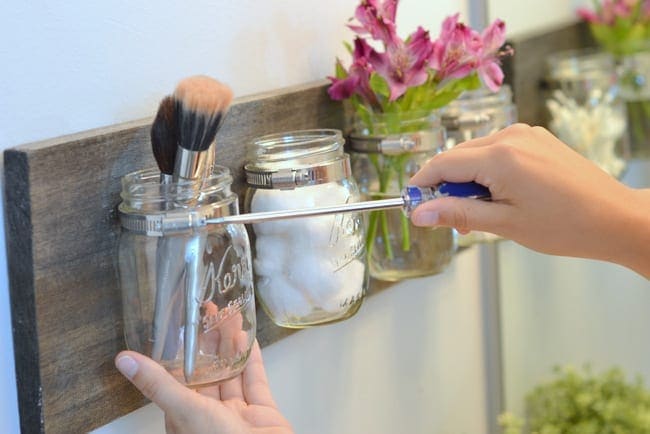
(464, 189)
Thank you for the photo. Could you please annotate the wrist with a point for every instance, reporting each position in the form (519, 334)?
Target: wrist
(631, 233)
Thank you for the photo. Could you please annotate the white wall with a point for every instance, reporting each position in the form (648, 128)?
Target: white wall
(530, 17)
(68, 66)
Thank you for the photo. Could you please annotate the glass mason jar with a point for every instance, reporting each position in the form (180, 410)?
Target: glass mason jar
(477, 113)
(634, 73)
(386, 150)
(586, 111)
(187, 290)
(311, 270)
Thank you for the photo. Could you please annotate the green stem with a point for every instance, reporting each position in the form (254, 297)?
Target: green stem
(372, 231)
(386, 234)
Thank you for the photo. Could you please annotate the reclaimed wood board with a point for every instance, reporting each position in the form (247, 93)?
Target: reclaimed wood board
(62, 232)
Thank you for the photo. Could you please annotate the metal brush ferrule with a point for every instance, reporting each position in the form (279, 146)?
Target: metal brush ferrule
(190, 165)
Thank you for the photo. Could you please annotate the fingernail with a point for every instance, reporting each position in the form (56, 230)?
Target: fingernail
(426, 218)
(127, 366)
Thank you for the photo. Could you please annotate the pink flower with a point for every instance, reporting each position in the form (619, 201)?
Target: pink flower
(588, 15)
(357, 80)
(377, 18)
(489, 69)
(609, 11)
(404, 64)
(456, 51)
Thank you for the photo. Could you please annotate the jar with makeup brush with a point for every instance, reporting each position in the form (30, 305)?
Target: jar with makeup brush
(172, 272)
(312, 270)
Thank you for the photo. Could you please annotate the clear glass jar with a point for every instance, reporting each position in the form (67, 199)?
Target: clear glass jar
(187, 291)
(386, 151)
(586, 111)
(477, 113)
(312, 270)
(634, 73)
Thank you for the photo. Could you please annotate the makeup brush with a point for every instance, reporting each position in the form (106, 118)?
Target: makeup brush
(201, 104)
(169, 262)
(164, 137)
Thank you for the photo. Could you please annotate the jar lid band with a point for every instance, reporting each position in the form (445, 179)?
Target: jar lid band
(290, 178)
(420, 141)
(465, 120)
(176, 221)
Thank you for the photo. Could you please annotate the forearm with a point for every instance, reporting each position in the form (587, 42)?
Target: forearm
(630, 233)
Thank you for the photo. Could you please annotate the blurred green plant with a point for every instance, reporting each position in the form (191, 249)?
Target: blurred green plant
(579, 401)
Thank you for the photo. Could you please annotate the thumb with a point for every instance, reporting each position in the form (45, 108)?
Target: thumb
(461, 213)
(153, 381)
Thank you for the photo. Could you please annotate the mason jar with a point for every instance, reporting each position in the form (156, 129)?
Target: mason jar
(312, 270)
(386, 151)
(187, 290)
(477, 113)
(634, 80)
(585, 107)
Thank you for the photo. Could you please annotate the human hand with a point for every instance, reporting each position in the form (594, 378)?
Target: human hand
(241, 405)
(544, 195)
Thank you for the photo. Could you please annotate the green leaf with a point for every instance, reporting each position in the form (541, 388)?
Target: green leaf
(340, 71)
(379, 85)
(348, 47)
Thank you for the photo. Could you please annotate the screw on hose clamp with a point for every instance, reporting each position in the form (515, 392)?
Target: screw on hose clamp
(393, 145)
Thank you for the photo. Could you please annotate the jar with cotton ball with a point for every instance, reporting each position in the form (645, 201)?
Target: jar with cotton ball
(586, 109)
(311, 270)
(477, 113)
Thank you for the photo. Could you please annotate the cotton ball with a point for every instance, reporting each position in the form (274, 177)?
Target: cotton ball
(349, 281)
(282, 300)
(312, 274)
(313, 232)
(270, 254)
(272, 200)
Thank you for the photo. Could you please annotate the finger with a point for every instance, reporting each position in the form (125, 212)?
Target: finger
(231, 389)
(154, 382)
(256, 385)
(462, 214)
(456, 165)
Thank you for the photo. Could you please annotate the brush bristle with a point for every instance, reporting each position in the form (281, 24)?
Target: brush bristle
(164, 135)
(201, 103)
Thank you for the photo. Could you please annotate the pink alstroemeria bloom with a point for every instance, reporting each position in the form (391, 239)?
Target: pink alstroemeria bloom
(588, 15)
(489, 69)
(377, 19)
(646, 10)
(456, 51)
(358, 78)
(404, 64)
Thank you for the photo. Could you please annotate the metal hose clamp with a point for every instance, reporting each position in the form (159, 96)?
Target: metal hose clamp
(420, 141)
(288, 179)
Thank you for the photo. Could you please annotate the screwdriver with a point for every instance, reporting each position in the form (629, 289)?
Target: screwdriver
(410, 198)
